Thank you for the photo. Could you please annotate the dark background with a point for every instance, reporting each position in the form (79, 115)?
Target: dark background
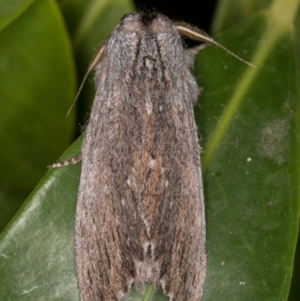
(198, 13)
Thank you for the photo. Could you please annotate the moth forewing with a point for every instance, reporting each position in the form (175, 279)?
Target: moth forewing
(140, 205)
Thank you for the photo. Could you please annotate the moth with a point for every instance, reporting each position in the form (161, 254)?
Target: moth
(140, 214)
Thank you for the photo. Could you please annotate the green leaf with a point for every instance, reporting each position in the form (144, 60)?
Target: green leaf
(10, 10)
(36, 249)
(231, 12)
(248, 122)
(225, 17)
(37, 85)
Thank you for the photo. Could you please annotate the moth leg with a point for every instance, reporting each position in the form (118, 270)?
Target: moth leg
(67, 162)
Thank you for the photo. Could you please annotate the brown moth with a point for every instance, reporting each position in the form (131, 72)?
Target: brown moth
(140, 207)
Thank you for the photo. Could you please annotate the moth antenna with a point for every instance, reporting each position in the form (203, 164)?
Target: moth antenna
(196, 34)
(95, 61)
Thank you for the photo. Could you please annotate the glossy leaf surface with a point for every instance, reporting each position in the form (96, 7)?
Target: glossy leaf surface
(248, 126)
(37, 85)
